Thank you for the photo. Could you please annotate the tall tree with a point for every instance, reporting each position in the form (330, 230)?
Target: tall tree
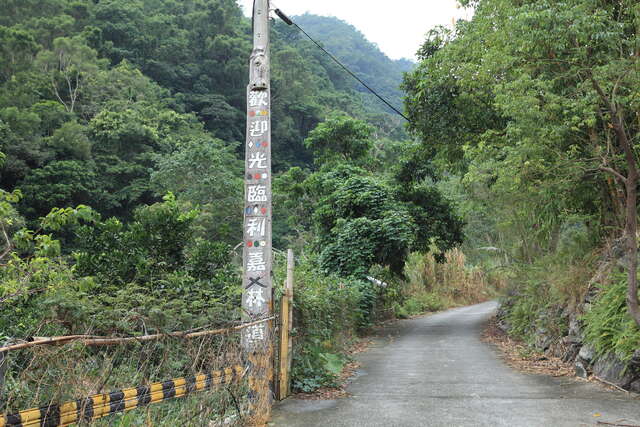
(549, 88)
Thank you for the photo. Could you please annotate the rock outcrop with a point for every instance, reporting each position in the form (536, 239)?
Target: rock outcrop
(571, 347)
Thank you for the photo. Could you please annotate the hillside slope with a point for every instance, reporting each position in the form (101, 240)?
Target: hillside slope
(363, 57)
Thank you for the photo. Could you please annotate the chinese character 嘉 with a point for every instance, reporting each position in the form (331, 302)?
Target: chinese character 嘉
(256, 262)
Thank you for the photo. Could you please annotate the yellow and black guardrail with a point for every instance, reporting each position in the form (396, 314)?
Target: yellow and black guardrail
(101, 405)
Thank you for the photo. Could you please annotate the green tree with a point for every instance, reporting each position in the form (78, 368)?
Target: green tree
(69, 65)
(206, 173)
(17, 49)
(70, 141)
(361, 217)
(22, 144)
(545, 92)
(63, 183)
(340, 139)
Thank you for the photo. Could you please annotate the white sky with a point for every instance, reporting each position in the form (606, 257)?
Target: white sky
(398, 27)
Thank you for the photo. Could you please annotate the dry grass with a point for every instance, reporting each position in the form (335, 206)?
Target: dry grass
(452, 280)
(46, 375)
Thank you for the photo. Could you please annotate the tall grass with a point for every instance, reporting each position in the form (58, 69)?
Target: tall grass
(543, 293)
(433, 285)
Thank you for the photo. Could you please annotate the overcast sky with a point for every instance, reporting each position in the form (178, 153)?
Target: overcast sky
(398, 27)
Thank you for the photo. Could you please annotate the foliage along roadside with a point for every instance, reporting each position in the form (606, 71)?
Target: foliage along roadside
(512, 103)
(134, 108)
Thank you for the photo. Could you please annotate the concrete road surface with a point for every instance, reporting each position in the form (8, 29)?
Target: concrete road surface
(435, 371)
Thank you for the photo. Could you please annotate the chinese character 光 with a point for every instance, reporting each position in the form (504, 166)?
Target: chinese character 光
(258, 161)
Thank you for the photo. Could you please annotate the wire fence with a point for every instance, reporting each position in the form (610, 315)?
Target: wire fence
(47, 372)
(126, 377)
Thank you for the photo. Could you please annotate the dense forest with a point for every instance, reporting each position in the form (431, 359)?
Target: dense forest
(121, 180)
(360, 56)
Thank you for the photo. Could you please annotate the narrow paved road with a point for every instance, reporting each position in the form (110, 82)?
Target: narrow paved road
(435, 371)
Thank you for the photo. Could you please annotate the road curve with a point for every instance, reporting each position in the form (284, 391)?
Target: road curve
(435, 371)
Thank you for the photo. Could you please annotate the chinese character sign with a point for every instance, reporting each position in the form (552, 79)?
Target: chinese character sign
(257, 258)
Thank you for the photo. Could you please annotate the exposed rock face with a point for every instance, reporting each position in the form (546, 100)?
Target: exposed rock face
(571, 347)
(635, 364)
(612, 369)
(587, 354)
(581, 370)
(587, 362)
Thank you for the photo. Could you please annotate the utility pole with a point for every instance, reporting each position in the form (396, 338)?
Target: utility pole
(257, 295)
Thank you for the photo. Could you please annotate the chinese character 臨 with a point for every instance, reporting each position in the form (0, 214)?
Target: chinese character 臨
(257, 193)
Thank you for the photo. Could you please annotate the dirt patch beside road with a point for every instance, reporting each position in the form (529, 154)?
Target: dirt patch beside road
(520, 356)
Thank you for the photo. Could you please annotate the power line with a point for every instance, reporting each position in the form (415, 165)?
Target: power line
(288, 21)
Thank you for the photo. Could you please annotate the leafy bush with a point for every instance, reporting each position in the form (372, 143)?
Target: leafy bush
(316, 367)
(425, 302)
(399, 311)
(608, 325)
(328, 312)
(534, 306)
(148, 275)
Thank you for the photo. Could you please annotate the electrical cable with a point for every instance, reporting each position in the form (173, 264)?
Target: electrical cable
(289, 21)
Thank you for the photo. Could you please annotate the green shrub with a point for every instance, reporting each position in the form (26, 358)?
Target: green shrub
(328, 313)
(424, 302)
(608, 325)
(399, 311)
(316, 367)
(527, 303)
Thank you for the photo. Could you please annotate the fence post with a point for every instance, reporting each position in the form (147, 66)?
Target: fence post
(286, 324)
(3, 369)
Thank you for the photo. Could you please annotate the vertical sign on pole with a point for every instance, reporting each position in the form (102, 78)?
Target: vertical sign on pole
(257, 256)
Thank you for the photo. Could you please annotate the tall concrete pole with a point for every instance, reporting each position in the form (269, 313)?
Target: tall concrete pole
(257, 302)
